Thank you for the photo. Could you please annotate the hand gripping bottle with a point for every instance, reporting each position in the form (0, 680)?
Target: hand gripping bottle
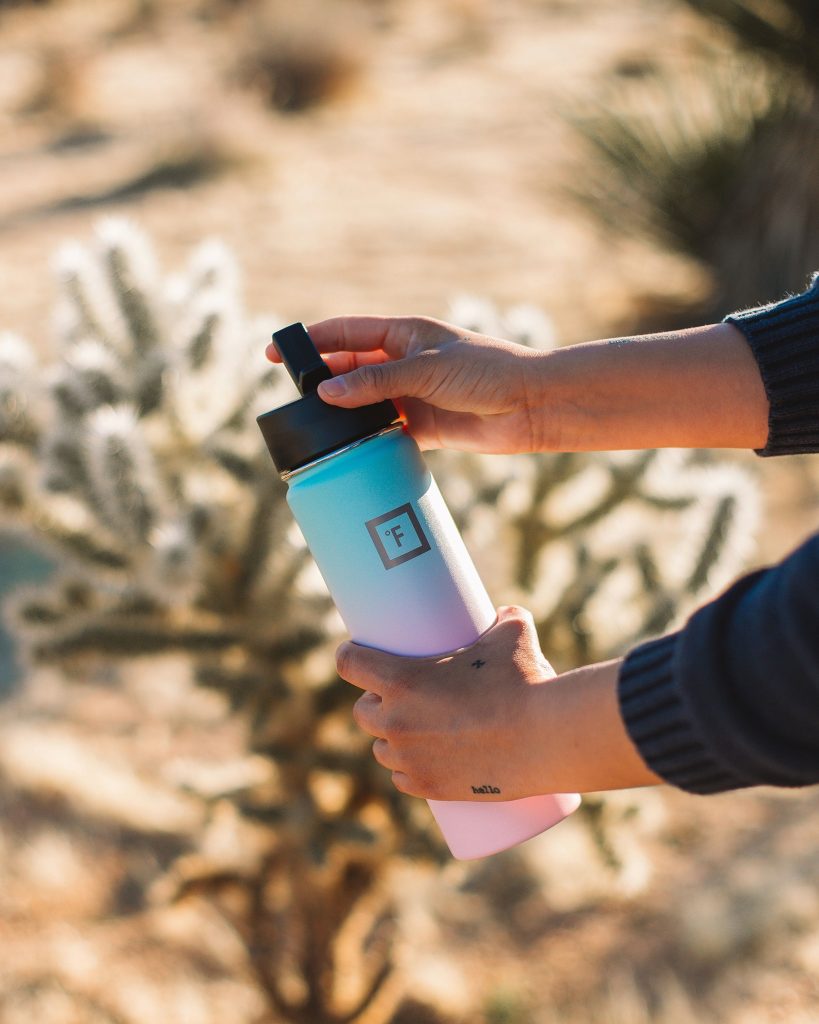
(391, 556)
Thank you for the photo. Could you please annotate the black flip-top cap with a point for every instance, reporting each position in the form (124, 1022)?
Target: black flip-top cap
(304, 430)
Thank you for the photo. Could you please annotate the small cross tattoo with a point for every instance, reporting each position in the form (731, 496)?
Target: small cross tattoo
(478, 663)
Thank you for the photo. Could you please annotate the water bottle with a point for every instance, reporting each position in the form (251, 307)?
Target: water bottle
(391, 556)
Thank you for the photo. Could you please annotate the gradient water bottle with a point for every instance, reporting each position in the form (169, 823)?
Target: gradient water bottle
(391, 556)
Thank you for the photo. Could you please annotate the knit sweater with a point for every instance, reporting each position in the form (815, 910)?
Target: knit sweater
(732, 699)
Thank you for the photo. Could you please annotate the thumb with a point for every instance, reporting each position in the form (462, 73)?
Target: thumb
(373, 383)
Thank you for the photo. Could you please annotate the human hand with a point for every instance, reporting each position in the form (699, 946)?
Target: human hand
(459, 727)
(457, 389)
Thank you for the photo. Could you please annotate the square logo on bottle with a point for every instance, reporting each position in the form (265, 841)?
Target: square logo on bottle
(397, 536)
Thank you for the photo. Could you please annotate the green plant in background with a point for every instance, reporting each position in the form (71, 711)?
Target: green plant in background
(135, 461)
(717, 160)
(785, 30)
(506, 1007)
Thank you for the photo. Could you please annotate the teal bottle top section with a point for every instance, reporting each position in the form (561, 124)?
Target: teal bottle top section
(388, 549)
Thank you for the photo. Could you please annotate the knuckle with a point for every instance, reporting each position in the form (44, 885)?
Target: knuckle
(423, 328)
(375, 375)
(514, 628)
(426, 787)
(395, 728)
(385, 672)
(517, 619)
(517, 611)
(430, 376)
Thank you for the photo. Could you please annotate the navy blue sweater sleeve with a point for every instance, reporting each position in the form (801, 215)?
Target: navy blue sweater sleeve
(732, 699)
(784, 338)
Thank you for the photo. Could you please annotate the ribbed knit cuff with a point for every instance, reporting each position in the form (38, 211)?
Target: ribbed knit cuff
(660, 725)
(784, 338)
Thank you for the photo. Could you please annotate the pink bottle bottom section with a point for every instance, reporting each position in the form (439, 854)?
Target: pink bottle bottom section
(473, 831)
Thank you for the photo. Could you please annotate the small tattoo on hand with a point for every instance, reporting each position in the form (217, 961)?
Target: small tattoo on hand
(485, 789)
(478, 663)
(620, 342)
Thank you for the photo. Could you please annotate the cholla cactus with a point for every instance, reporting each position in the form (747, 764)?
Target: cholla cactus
(136, 461)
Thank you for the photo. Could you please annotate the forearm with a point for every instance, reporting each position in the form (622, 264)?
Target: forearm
(586, 746)
(699, 388)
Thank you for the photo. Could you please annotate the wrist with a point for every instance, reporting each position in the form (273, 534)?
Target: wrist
(553, 411)
(577, 733)
(572, 410)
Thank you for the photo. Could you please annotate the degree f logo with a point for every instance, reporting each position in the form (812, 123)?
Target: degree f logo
(397, 536)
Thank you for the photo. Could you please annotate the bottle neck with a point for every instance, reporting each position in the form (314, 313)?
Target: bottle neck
(288, 475)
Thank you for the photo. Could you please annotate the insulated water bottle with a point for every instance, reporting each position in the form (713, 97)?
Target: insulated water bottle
(391, 556)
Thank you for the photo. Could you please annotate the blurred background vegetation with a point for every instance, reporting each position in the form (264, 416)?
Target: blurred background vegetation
(192, 830)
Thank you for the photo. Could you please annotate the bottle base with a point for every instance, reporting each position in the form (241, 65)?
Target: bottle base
(473, 829)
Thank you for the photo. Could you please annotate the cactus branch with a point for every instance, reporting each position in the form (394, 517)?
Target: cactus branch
(128, 636)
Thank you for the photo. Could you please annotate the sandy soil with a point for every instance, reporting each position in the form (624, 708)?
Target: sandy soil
(440, 171)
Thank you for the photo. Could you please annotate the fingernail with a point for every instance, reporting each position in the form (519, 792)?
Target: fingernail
(334, 387)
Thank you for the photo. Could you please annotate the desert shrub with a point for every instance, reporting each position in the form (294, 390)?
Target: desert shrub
(296, 58)
(786, 31)
(715, 160)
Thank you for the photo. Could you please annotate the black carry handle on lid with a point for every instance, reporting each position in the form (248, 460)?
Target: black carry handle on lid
(306, 429)
(301, 358)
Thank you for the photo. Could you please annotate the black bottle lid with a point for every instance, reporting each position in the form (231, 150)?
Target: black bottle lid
(304, 430)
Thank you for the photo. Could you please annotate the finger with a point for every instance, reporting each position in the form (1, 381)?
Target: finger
(376, 382)
(339, 362)
(363, 333)
(343, 362)
(368, 712)
(355, 334)
(370, 669)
